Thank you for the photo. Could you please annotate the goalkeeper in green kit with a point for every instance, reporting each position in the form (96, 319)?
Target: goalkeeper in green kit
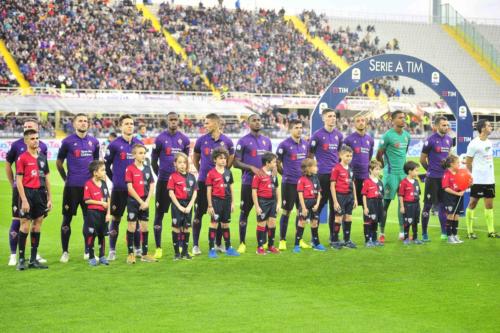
(392, 154)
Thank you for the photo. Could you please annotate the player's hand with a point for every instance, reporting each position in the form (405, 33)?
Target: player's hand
(104, 204)
(144, 205)
(108, 218)
(258, 210)
(187, 209)
(49, 205)
(315, 208)
(232, 207)
(211, 211)
(461, 193)
(25, 206)
(257, 171)
(336, 206)
(278, 208)
(304, 212)
(365, 211)
(355, 205)
(402, 210)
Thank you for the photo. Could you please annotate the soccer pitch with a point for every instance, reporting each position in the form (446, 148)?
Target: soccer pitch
(435, 287)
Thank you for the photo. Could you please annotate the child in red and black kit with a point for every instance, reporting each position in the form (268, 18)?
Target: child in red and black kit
(182, 190)
(409, 198)
(97, 198)
(344, 198)
(452, 198)
(220, 201)
(309, 192)
(373, 205)
(266, 199)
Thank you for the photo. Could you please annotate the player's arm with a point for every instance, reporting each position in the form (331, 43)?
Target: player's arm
(20, 188)
(468, 162)
(424, 160)
(154, 159)
(61, 156)
(9, 173)
(230, 161)
(191, 203)
(210, 209)
(313, 143)
(243, 166)
(196, 160)
(355, 194)
(150, 193)
(302, 203)
(60, 168)
(316, 206)
(334, 195)
(380, 156)
(401, 204)
(232, 197)
(134, 194)
(49, 191)
(256, 201)
(108, 161)
(279, 167)
(365, 205)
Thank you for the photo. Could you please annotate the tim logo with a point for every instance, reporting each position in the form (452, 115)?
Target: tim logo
(340, 90)
(435, 78)
(356, 74)
(462, 111)
(464, 139)
(449, 93)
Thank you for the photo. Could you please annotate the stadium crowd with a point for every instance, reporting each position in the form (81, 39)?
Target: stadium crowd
(89, 45)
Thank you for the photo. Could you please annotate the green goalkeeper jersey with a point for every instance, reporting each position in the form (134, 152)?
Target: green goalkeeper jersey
(395, 146)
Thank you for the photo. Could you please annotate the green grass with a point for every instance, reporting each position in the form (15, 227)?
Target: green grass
(435, 287)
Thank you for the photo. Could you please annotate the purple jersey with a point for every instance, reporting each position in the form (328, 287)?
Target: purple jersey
(325, 147)
(437, 148)
(165, 147)
(78, 152)
(119, 155)
(204, 146)
(249, 150)
(291, 154)
(17, 148)
(362, 148)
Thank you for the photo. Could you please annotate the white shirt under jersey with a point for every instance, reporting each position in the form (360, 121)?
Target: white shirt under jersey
(482, 163)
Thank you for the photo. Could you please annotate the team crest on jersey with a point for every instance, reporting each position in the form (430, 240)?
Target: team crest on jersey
(174, 221)
(131, 216)
(14, 209)
(191, 183)
(238, 147)
(107, 152)
(105, 192)
(90, 143)
(179, 141)
(227, 178)
(222, 143)
(367, 142)
(313, 143)
(147, 175)
(75, 144)
(42, 164)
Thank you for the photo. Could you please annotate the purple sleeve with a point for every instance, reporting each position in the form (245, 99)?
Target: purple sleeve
(63, 151)
(197, 146)
(11, 155)
(313, 143)
(230, 146)
(341, 140)
(280, 152)
(239, 149)
(155, 153)
(372, 144)
(426, 149)
(187, 145)
(97, 149)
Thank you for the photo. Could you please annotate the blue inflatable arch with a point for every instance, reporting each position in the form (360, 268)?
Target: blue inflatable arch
(401, 65)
